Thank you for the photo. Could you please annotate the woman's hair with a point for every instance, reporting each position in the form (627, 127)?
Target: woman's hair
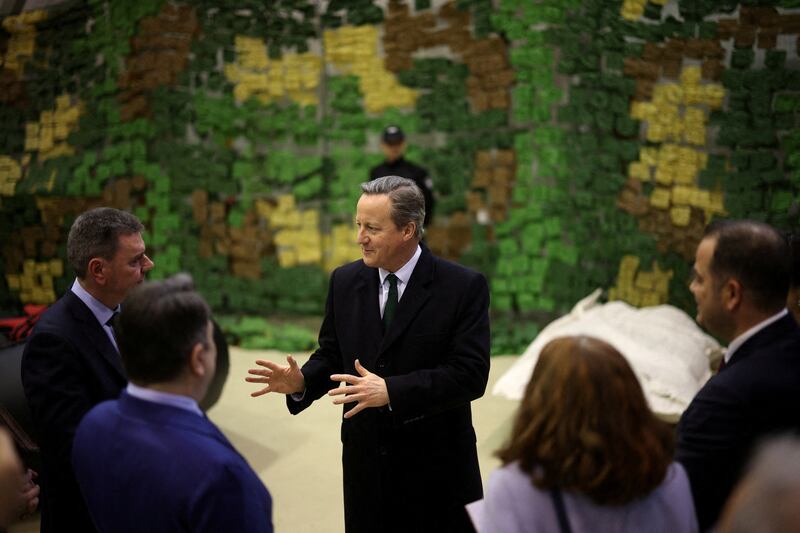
(584, 425)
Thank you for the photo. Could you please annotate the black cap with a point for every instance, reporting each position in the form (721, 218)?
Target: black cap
(393, 135)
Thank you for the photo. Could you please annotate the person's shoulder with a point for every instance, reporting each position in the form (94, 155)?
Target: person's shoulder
(722, 391)
(378, 170)
(784, 335)
(414, 166)
(56, 330)
(221, 461)
(453, 269)
(510, 474)
(97, 420)
(675, 486)
(58, 315)
(349, 270)
(510, 481)
(59, 327)
(676, 475)
(670, 503)
(101, 411)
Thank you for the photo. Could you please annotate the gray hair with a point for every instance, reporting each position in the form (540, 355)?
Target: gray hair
(408, 202)
(768, 498)
(96, 233)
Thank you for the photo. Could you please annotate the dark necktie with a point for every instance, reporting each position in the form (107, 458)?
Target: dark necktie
(391, 301)
(111, 322)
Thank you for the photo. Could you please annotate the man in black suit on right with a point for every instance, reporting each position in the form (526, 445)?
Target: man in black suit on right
(741, 278)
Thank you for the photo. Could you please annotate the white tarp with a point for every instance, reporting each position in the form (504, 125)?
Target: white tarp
(668, 352)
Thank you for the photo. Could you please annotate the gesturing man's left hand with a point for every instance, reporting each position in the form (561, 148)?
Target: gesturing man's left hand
(368, 389)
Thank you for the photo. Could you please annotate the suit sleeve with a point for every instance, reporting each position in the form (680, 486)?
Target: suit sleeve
(462, 372)
(326, 360)
(234, 499)
(54, 384)
(710, 437)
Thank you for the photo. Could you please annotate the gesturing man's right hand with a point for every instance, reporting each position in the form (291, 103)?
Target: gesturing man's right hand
(277, 378)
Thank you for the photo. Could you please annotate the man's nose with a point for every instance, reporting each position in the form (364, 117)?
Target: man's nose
(147, 263)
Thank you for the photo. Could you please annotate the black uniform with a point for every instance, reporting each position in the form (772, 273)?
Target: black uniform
(406, 169)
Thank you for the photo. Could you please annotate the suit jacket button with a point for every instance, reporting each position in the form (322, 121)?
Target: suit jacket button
(381, 364)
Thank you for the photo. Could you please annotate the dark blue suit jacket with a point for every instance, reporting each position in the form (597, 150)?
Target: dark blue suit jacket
(144, 466)
(414, 467)
(754, 396)
(69, 366)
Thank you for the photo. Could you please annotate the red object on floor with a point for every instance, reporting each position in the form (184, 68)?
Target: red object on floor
(21, 326)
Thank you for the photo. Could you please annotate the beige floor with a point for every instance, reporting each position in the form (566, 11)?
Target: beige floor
(299, 457)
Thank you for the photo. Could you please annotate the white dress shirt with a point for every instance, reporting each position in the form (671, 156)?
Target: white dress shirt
(403, 276)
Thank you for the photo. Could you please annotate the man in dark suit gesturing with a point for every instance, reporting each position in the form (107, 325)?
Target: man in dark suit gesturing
(741, 278)
(71, 361)
(408, 334)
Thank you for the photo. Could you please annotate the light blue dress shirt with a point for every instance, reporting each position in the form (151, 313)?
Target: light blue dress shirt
(98, 309)
(165, 398)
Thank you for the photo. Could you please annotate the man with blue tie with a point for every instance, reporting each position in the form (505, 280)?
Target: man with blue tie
(408, 334)
(71, 361)
(151, 460)
(741, 278)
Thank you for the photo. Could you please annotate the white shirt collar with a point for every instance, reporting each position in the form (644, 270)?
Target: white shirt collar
(741, 339)
(98, 308)
(404, 272)
(164, 398)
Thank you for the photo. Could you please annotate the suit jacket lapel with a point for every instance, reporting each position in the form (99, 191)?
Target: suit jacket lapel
(414, 297)
(95, 333)
(368, 307)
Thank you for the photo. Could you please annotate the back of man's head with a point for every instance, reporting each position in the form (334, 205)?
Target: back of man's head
(768, 498)
(160, 323)
(96, 233)
(757, 256)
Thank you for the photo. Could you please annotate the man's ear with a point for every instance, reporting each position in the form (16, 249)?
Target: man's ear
(196, 363)
(410, 230)
(95, 270)
(731, 294)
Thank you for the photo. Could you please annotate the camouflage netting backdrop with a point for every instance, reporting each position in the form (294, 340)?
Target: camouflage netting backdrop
(573, 144)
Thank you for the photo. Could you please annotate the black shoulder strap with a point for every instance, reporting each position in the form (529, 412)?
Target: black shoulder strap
(561, 512)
